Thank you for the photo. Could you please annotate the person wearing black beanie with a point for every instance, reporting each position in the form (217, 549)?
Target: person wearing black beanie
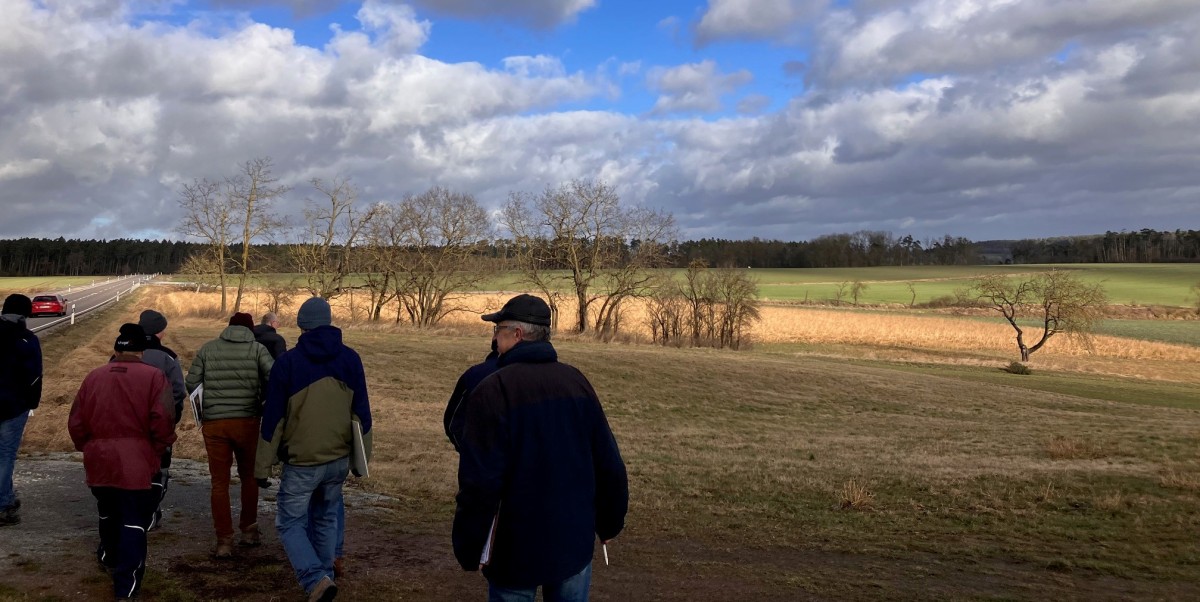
(20, 393)
(122, 421)
(132, 340)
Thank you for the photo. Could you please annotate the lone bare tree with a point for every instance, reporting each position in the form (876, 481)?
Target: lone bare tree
(250, 194)
(1059, 300)
(857, 288)
(209, 216)
(580, 237)
(213, 210)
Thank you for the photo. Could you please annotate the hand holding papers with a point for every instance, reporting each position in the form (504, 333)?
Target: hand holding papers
(197, 403)
(358, 455)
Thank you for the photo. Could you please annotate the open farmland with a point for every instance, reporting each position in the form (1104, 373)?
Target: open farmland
(839, 468)
(1164, 284)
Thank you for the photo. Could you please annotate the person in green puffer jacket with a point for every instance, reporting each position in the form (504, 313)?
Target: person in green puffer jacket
(233, 369)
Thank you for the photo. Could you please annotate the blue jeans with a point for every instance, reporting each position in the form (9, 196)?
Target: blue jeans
(11, 431)
(571, 589)
(306, 520)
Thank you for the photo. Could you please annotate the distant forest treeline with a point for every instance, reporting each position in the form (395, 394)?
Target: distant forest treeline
(69, 257)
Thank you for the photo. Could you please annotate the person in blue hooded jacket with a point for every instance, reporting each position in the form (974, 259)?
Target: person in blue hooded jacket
(539, 474)
(315, 392)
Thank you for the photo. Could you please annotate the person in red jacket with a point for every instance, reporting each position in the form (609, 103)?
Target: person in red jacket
(123, 420)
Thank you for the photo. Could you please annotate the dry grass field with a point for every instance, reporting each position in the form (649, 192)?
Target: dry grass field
(848, 456)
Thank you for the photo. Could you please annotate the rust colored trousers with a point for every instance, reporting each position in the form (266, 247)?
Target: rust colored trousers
(228, 440)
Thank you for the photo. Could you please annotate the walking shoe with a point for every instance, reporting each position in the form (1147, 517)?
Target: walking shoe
(339, 569)
(324, 591)
(224, 547)
(10, 515)
(156, 520)
(251, 537)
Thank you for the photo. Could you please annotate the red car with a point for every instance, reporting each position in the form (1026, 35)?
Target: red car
(55, 305)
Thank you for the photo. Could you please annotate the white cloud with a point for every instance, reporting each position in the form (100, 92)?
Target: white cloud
(936, 36)
(696, 87)
(769, 19)
(103, 117)
(395, 26)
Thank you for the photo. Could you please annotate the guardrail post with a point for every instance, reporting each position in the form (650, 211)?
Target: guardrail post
(72, 314)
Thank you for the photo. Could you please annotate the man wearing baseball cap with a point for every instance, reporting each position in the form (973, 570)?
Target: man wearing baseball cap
(540, 476)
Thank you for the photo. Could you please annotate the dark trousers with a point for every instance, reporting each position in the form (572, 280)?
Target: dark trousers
(160, 482)
(125, 517)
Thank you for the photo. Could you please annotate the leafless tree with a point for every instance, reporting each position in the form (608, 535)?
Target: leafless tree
(443, 235)
(330, 231)
(383, 243)
(578, 236)
(208, 216)
(1059, 300)
(710, 307)
(857, 288)
(250, 194)
(202, 267)
(840, 293)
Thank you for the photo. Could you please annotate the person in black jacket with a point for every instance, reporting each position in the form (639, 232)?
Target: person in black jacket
(539, 473)
(455, 416)
(20, 393)
(265, 333)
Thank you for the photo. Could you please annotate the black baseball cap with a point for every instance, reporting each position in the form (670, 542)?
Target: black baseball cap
(522, 308)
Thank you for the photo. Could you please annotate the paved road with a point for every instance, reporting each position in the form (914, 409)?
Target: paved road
(84, 299)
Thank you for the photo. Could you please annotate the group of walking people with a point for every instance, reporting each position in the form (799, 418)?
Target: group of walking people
(540, 475)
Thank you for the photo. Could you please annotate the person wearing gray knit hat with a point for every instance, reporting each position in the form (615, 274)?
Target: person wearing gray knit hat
(164, 358)
(152, 322)
(313, 313)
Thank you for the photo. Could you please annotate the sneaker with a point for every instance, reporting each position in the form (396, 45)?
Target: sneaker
(10, 515)
(324, 591)
(156, 520)
(251, 537)
(339, 569)
(224, 547)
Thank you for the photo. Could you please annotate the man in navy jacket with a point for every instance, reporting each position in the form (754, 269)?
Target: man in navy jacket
(20, 392)
(539, 474)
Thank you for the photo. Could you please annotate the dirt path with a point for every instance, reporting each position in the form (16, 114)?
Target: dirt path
(50, 554)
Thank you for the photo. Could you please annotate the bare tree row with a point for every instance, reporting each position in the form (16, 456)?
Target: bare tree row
(419, 254)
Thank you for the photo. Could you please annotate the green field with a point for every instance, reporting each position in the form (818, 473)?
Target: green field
(46, 284)
(1127, 284)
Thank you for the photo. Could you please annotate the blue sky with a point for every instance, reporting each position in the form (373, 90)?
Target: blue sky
(606, 36)
(781, 119)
